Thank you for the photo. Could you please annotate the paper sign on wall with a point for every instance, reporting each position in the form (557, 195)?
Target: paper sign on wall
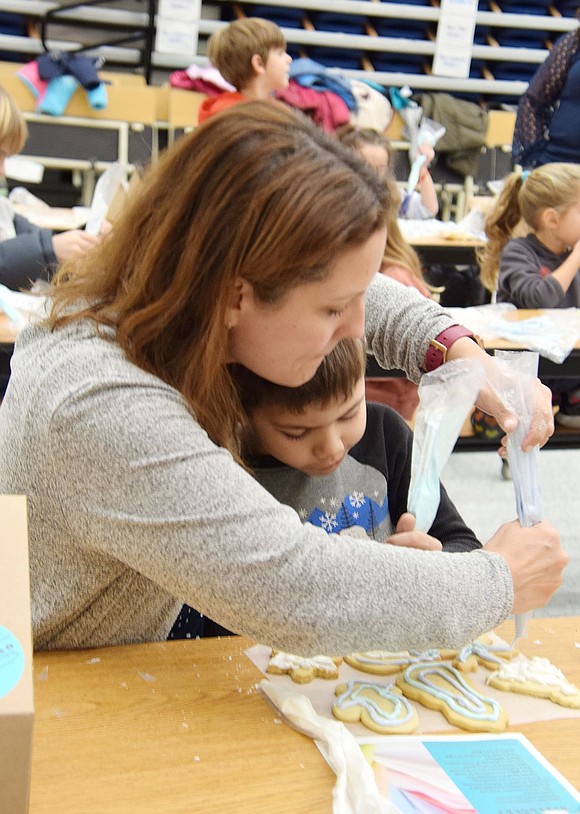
(454, 42)
(178, 27)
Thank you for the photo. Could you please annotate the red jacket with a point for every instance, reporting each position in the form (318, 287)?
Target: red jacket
(215, 104)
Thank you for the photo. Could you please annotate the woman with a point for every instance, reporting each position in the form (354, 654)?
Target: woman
(254, 240)
(546, 129)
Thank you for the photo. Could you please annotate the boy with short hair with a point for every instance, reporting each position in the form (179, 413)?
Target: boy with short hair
(342, 464)
(250, 54)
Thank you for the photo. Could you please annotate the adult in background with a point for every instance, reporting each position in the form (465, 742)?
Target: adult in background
(546, 127)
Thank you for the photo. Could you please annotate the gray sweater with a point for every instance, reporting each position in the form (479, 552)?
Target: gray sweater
(525, 276)
(134, 511)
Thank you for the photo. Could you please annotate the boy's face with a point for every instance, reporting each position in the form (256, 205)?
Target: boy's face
(316, 440)
(277, 69)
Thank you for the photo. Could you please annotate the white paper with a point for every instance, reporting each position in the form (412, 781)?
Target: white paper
(454, 42)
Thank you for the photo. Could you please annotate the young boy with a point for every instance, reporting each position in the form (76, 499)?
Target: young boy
(251, 55)
(27, 252)
(342, 464)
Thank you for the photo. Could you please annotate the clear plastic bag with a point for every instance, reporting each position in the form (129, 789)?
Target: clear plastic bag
(428, 132)
(445, 397)
(516, 388)
(105, 190)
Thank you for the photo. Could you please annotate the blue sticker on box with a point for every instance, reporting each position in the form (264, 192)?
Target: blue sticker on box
(11, 661)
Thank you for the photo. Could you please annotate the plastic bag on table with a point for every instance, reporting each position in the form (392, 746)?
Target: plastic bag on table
(445, 397)
(105, 190)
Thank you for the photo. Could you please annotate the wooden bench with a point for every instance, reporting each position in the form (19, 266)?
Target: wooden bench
(86, 140)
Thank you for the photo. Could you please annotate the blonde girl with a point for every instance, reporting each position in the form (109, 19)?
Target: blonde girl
(539, 270)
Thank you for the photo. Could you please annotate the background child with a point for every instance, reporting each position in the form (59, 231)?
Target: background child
(375, 147)
(400, 261)
(28, 253)
(251, 55)
(539, 270)
(341, 463)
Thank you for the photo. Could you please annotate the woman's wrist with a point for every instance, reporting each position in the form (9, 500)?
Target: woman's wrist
(455, 342)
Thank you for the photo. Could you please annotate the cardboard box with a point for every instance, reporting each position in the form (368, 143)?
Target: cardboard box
(16, 690)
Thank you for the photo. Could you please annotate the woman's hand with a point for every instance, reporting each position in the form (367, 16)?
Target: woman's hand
(406, 536)
(542, 423)
(536, 560)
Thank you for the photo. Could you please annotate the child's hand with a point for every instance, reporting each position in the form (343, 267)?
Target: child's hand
(406, 536)
(71, 243)
(427, 150)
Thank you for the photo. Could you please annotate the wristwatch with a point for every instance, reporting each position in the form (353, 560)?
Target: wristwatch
(438, 347)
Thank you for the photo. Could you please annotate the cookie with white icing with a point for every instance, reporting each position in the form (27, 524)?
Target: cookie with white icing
(382, 708)
(537, 677)
(483, 651)
(301, 669)
(441, 686)
(386, 662)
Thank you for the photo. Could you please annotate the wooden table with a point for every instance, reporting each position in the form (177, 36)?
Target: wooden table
(178, 727)
(446, 251)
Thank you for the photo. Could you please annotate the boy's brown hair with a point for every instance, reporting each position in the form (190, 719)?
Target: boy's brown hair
(336, 378)
(231, 48)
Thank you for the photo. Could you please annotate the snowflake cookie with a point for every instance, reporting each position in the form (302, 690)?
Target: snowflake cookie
(302, 670)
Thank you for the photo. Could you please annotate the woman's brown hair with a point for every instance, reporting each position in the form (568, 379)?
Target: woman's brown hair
(525, 196)
(257, 192)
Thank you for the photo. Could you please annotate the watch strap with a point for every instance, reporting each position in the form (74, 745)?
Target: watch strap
(438, 347)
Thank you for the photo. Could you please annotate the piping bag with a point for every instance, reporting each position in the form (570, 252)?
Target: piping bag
(446, 396)
(517, 391)
(356, 790)
(429, 132)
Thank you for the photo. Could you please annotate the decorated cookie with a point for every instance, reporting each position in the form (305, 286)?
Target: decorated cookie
(440, 686)
(379, 707)
(482, 651)
(537, 677)
(385, 662)
(300, 669)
